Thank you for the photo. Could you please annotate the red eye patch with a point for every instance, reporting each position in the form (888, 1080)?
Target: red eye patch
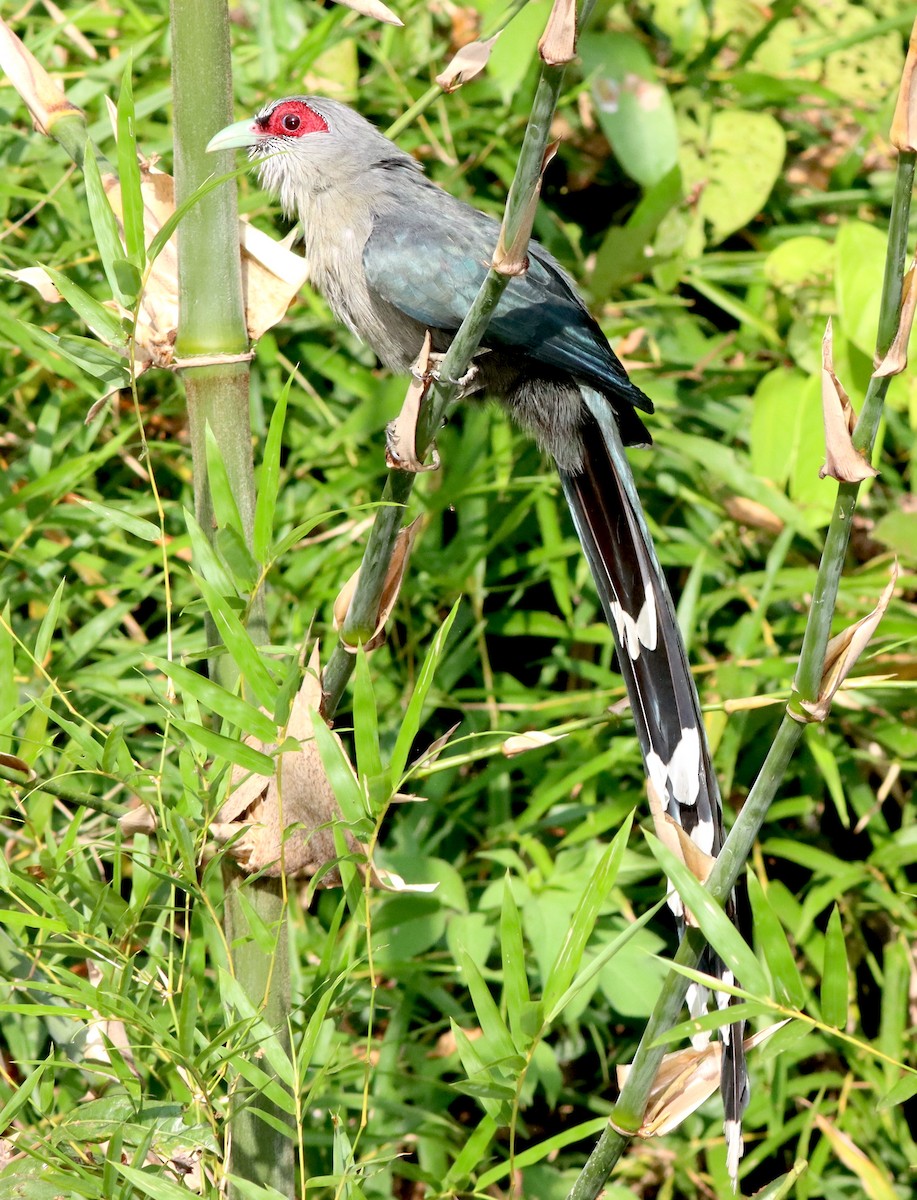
(292, 118)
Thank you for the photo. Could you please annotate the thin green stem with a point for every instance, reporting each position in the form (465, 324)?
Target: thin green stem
(824, 595)
(627, 1115)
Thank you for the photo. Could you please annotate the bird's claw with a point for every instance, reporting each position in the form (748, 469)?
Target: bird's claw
(431, 372)
(400, 454)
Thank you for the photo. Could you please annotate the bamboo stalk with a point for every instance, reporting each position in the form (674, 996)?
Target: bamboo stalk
(626, 1116)
(212, 321)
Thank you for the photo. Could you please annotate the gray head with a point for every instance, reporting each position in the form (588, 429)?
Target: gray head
(304, 145)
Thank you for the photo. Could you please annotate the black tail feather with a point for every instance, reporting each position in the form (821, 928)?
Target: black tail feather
(653, 660)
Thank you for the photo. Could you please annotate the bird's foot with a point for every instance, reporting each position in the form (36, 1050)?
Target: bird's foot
(463, 383)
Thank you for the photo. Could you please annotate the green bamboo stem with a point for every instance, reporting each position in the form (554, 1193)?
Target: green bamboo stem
(626, 1117)
(627, 1113)
(212, 322)
(824, 595)
(361, 616)
(70, 132)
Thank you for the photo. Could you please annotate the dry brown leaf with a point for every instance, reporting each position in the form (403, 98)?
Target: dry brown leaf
(466, 64)
(401, 434)
(842, 652)
(390, 881)
(558, 42)
(272, 275)
(138, 820)
(842, 460)
(373, 8)
(674, 838)
(45, 100)
(685, 1079)
(514, 260)
(875, 1181)
(434, 750)
(12, 762)
(895, 360)
(533, 739)
(396, 568)
(70, 31)
(284, 823)
(751, 512)
(447, 1043)
(904, 123)
(102, 1030)
(40, 280)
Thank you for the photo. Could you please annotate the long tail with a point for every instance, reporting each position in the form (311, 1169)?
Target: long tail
(653, 660)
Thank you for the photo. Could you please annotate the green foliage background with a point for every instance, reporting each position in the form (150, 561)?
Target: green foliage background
(721, 188)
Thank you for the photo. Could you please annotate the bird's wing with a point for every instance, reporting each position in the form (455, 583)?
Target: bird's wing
(434, 276)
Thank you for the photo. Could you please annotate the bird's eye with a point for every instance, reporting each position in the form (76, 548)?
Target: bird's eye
(291, 122)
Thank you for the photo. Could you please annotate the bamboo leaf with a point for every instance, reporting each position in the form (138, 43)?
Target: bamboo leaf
(129, 172)
(411, 722)
(835, 981)
(512, 953)
(595, 894)
(269, 478)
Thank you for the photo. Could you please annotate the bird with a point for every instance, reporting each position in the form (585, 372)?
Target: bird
(396, 257)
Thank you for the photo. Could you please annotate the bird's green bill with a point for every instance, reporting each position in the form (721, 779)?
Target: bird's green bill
(243, 133)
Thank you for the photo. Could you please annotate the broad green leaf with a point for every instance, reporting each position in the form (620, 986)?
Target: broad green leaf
(102, 321)
(820, 745)
(205, 558)
(138, 526)
(346, 788)
(901, 1092)
(601, 960)
(860, 251)
(22, 1094)
(737, 156)
(497, 1040)
(775, 424)
(270, 1046)
(100, 362)
(623, 252)
(238, 558)
(715, 1019)
(800, 262)
(898, 531)
(48, 625)
(633, 107)
(471, 1155)
(225, 507)
(514, 52)
(546, 1149)
(157, 1187)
